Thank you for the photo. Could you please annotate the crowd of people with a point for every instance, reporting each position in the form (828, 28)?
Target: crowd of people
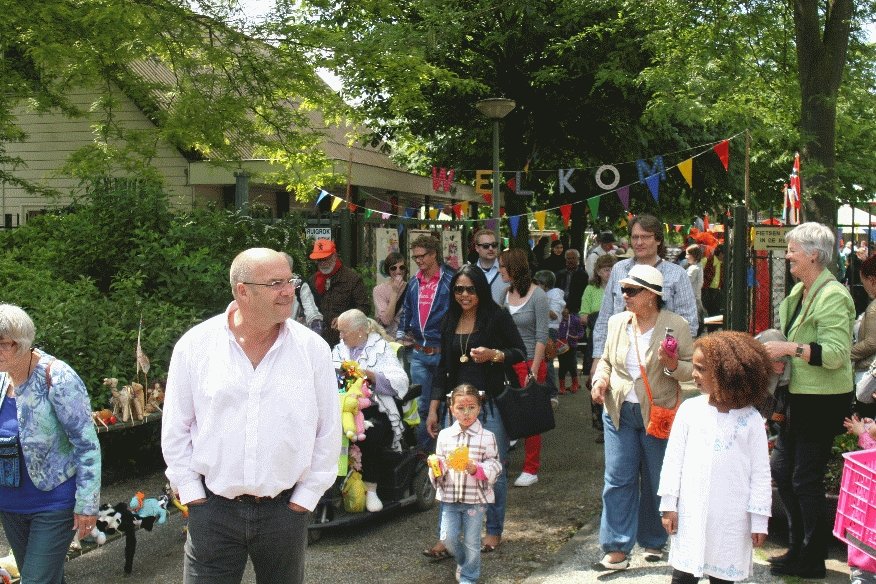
(694, 471)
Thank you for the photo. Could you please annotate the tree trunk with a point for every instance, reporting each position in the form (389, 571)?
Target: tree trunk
(821, 58)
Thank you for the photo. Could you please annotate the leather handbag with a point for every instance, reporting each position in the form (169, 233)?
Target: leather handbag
(526, 411)
(660, 420)
(550, 350)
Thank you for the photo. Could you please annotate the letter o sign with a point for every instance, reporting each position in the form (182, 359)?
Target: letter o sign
(604, 168)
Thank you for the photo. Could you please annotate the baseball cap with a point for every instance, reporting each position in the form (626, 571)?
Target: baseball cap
(322, 249)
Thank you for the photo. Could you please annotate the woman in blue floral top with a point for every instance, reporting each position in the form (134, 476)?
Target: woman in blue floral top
(49, 453)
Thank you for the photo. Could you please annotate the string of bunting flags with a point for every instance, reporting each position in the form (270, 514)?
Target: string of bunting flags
(649, 175)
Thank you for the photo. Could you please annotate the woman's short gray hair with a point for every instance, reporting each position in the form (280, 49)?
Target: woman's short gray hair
(16, 325)
(814, 238)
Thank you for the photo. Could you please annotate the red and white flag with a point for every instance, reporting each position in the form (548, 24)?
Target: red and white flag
(794, 194)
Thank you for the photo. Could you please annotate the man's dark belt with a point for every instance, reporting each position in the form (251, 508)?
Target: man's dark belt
(427, 350)
(251, 498)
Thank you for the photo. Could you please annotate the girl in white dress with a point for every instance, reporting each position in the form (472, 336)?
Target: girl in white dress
(715, 481)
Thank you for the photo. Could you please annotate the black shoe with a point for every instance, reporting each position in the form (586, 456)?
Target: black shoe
(786, 558)
(817, 572)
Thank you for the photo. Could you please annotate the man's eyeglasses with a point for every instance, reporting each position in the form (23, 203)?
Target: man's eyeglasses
(418, 257)
(466, 289)
(645, 237)
(294, 281)
(630, 292)
(492, 245)
(400, 267)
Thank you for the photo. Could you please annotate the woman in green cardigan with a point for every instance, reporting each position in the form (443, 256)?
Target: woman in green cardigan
(817, 318)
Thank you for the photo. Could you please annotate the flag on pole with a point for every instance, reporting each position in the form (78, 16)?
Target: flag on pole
(142, 359)
(794, 193)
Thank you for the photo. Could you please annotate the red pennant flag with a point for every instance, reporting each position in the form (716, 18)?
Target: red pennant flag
(511, 183)
(457, 210)
(566, 212)
(352, 207)
(722, 149)
(488, 198)
(677, 228)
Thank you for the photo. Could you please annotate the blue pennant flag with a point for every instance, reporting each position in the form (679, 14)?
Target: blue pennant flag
(514, 222)
(653, 183)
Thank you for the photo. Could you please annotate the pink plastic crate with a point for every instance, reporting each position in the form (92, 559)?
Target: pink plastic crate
(856, 510)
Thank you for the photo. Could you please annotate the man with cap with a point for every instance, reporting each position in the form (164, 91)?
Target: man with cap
(336, 288)
(606, 245)
(646, 235)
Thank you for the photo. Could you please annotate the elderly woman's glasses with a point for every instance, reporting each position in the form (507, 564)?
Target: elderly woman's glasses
(464, 289)
(294, 281)
(630, 292)
(7, 345)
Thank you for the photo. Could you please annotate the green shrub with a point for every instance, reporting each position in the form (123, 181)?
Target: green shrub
(88, 274)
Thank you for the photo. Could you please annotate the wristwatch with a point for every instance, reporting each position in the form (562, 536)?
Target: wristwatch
(799, 352)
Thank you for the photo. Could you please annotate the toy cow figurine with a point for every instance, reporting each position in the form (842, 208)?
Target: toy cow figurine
(122, 403)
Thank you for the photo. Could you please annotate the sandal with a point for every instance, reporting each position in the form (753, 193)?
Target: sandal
(487, 548)
(605, 564)
(436, 555)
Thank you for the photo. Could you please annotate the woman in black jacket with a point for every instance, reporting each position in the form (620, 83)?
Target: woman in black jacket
(479, 343)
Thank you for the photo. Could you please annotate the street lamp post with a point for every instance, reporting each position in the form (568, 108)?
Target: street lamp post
(496, 108)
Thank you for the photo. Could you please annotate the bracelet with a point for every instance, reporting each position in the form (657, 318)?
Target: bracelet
(666, 371)
(496, 356)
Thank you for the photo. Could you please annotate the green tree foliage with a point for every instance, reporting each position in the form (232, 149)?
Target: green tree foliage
(602, 82)
(88, 274)
(212, 90)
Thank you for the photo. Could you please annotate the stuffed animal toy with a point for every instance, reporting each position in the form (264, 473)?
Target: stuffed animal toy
(155, 398)
(8, 565)
(128, 524)
(353, 493)
(356, 399)
(96, 535)
(138, 400)
(150, 511)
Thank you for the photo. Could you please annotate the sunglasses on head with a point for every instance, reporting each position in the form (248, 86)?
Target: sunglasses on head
(488, 245)
(466, 289)
(630, 291)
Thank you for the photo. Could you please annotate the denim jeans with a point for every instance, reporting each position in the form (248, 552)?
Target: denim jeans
(39, 543)
(630, 505)
(463, 519)
(223, 533)
(423, 371)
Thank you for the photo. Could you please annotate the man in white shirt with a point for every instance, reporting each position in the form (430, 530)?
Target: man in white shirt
(251, 432)
(487, 246)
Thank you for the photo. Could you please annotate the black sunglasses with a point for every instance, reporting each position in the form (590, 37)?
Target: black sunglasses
(630, 292)
(488, 245)
(395, 268)
(461, 289)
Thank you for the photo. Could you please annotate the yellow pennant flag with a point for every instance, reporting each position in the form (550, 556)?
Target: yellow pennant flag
(686, 170)
(540, 217)
(433, 213)
(463, 206)
(336, 203)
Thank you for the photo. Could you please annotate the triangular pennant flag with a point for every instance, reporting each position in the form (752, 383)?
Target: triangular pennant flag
(501, 211)
(678, 228)
(593, 203)
(722, 149)
(623, 193)
(653, 183)
(409, 212)
(540, 217)
(368, 213)
(352, 207)
(514, 222)
(686, 169)
(384, 216)
(491, 224)
(433, 213)
(511, 183)
(322, 194)
(566, 212)
(336, 203)
(400, 229)
(464, 207)
(457, 210)
(488, 198)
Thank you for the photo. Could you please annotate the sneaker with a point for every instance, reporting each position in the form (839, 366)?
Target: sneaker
(526, 480)
(652, 554)
(373, 502)
(555, 403)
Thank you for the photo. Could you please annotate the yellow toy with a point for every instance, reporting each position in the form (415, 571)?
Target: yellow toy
(353, 493)
(353, 401)
(458, 459)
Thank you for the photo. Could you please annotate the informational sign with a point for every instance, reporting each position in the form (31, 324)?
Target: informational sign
(318, 232)
(385, 241)
(452, 248)
(770, 238)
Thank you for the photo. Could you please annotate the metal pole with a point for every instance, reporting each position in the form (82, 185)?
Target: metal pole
(496, 189)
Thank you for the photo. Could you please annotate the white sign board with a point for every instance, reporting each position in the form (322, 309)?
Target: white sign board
(318, 232)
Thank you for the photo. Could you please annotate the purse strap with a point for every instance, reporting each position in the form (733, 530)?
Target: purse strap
(642, 368)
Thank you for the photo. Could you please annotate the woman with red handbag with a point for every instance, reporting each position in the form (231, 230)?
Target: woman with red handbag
(637, 379)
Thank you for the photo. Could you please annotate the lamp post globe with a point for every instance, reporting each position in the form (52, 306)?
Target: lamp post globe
(496, 108)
